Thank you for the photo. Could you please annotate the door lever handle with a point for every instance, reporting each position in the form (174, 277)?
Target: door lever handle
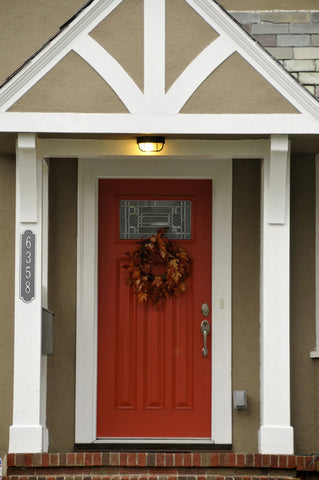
(205, 328)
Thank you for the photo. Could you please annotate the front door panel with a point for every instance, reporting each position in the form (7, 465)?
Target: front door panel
(153, 380)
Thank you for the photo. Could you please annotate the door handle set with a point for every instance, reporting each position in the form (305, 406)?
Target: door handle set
(205, 328)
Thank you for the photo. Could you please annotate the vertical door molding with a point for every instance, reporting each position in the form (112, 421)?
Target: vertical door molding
(221, 305)
(276, 433)
(86, 338)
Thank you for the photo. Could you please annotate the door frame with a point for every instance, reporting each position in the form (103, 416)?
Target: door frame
(183, 160)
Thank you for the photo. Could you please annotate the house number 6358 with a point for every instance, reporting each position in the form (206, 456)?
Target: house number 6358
(27, 284)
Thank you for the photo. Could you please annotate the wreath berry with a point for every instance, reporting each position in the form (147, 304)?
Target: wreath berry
(158, 250)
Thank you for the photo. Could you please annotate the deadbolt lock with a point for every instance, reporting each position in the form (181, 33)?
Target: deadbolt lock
(205, 310)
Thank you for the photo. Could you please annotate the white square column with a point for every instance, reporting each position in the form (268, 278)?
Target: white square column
(28, 432)
(276, 433)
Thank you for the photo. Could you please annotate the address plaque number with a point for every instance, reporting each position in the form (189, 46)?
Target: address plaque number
(27, 293)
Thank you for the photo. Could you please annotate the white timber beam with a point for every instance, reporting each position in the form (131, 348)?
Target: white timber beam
(27, 433)
(111, 71)
(166, 124)
(276, 433)
(154, 55)
(196, 72)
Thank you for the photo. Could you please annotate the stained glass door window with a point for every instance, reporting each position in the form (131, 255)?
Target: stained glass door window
(142, 218)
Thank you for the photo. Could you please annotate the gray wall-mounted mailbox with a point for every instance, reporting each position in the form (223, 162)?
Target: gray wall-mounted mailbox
(47, 332)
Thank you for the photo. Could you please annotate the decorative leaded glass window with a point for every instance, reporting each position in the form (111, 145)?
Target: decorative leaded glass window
(142, 218)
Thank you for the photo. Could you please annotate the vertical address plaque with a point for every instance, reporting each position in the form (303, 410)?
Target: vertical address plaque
(27, 266)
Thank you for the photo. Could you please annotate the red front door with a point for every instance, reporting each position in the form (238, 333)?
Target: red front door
(153, 380)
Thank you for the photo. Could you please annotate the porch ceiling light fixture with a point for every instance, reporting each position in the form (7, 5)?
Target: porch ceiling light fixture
(150, 144)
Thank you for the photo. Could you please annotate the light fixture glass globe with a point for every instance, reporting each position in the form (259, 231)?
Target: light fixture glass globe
(150, 144)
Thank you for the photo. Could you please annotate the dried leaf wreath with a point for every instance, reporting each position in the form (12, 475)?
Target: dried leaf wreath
(158, 250)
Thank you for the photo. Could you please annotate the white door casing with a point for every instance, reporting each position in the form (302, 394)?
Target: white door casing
(183, 159)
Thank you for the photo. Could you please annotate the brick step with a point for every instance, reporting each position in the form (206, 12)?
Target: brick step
(166, 459)
(149, 477)
(158, 466)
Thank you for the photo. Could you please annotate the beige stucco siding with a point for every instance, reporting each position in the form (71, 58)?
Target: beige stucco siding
(121, 34)
(304, 370)
(250, 93)
(245, 303)
(7, 242)
(62, 300)
(71, 86)
(187, 34)
(25, 25)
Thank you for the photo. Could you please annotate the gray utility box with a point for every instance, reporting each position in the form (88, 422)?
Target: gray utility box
(47, 332)
(240, 399)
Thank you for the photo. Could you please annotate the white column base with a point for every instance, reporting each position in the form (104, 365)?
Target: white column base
(28, 439)
(276, 440)
(45, 439)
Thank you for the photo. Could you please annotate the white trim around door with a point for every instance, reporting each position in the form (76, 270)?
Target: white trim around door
(198, 160)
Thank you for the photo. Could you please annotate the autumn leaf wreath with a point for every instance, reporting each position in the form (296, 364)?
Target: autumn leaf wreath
(158, 250)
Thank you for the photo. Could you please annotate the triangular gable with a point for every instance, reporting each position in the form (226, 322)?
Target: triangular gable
(157, 58)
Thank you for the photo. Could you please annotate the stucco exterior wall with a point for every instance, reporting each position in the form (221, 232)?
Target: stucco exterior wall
(304, 370)
(121, 34)
(7, 241)
(62, 301)
(187, 34)
(253, 94)
(245, 304)
(25, 25)
(71, 86)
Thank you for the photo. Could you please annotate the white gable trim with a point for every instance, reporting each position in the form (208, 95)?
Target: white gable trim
(194, 74)
(257, 56)
(134, 124)
(154, 102)
(111, 71)
(60, 46)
